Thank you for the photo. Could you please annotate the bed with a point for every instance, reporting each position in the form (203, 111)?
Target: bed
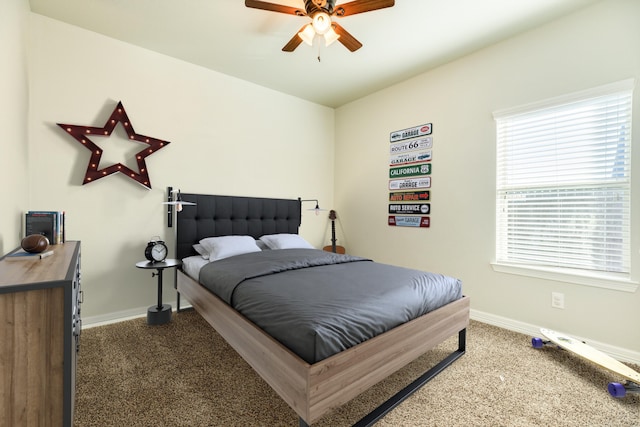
(311, 384)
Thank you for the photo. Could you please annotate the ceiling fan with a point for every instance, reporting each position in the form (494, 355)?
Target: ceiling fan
(320, 12)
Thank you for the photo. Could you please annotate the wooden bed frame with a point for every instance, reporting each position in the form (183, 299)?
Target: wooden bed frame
(311, 390)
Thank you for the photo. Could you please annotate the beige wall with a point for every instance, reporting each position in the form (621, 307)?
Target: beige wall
(598, 45)
(227, 137)
(14, 20)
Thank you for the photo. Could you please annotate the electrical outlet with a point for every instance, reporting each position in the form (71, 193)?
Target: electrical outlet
(557, 300)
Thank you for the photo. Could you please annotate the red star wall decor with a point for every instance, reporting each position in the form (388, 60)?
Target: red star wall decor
(82, 133)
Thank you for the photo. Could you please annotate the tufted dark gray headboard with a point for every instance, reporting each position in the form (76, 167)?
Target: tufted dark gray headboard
(231, 215)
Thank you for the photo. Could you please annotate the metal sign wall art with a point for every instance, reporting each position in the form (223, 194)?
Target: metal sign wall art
(410, 169)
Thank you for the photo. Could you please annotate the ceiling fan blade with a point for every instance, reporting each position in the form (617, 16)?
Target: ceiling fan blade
(294, 42)
(346, 38)
(273, 7)
(360, 6)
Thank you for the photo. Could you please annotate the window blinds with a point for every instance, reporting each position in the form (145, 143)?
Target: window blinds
(563, 183)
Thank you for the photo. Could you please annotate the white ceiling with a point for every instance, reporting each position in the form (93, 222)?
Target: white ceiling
(399, 42)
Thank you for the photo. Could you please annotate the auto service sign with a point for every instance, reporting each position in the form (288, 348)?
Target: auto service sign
(410, 208)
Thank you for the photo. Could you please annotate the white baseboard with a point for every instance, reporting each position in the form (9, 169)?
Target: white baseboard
(116, 317)
(622, 354)
(121, 316)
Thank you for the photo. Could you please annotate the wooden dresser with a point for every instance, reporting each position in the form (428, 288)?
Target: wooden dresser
(39, 337)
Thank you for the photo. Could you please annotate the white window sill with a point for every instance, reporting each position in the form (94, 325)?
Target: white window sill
(597, 280)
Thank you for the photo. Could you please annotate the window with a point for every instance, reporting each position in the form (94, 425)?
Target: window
(563, 183)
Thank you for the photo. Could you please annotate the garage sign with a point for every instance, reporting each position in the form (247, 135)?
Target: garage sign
(410, 183)
(408, 158)
(409, 221)
(413, 132)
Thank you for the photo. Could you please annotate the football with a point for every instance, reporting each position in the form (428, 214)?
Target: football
(34, 243)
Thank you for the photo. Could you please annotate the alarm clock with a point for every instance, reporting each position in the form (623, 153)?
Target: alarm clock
(156, 251)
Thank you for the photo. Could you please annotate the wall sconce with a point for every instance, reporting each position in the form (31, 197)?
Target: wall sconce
(317, 208)
(177, 202)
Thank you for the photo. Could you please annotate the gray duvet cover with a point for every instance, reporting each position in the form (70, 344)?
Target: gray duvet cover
(319, 303)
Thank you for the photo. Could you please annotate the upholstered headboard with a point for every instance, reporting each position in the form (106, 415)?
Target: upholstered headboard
(214, 216)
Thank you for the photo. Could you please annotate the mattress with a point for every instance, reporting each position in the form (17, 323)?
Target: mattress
(318, 303)
(191, 266)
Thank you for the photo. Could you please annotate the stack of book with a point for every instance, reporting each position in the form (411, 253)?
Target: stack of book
(48, 223)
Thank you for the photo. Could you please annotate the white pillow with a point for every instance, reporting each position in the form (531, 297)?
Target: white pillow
(285, 241)
(201, 250)
(226, 246)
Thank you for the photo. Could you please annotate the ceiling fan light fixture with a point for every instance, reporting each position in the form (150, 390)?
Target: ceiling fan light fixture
(330, 37)
(307, 34)
(321, 22)
(321, 12)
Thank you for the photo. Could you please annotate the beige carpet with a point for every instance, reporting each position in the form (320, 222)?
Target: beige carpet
(184, 374)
